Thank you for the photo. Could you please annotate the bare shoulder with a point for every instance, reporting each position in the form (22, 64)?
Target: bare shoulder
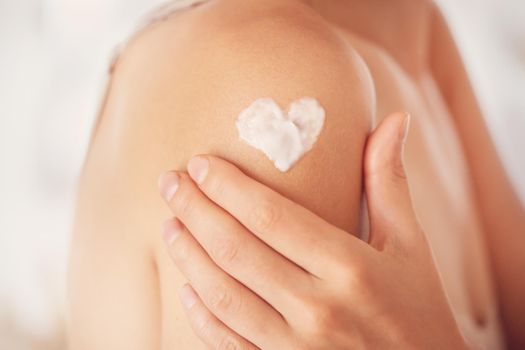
(274, 48)
(181, 84)
(176, 92)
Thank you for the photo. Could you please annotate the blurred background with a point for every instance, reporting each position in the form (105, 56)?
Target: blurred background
(53, 59)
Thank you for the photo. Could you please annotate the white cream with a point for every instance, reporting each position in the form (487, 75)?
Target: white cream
(283, 136)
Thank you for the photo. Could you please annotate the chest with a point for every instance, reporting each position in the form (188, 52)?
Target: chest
(434, 158)
(440, 183)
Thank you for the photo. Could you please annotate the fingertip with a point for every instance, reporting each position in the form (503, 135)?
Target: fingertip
(384, 142)
(198, 168)
(168, 184)
(394, 129)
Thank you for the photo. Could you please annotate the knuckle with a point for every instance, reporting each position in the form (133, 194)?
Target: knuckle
(353, 274)
(323, 320)
(225, 252)
(229, 343)
(265, 216)
(324, 323)
(389, 168)
(223, 300)
(317, 312)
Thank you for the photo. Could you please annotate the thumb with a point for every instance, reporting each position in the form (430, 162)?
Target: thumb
(388, 196)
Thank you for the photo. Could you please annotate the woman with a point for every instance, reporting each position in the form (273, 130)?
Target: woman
(177, 90)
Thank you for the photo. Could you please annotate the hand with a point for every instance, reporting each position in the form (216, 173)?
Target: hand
(267, 273)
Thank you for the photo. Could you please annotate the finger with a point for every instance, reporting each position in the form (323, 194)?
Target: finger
(230, 301)
(292, 230)
(233, 248)
(388, 196)
(214, 333)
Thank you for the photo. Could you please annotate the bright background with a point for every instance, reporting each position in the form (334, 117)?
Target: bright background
(53, 58)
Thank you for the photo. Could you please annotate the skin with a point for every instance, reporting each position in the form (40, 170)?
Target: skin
(176, 92)
(331, 284)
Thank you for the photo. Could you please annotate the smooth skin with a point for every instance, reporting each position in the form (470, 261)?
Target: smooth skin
(178, 88)
(266, 273)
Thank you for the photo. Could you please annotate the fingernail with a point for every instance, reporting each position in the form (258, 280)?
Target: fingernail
(405, 128)
(172, 229)
(187, 296)
(198, 168)
(168, 185)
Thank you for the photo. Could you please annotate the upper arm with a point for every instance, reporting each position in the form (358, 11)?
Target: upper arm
(177, 92)
(192, 92)
(502, 212)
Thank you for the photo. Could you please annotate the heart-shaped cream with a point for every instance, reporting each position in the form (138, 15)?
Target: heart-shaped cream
(283, 136)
